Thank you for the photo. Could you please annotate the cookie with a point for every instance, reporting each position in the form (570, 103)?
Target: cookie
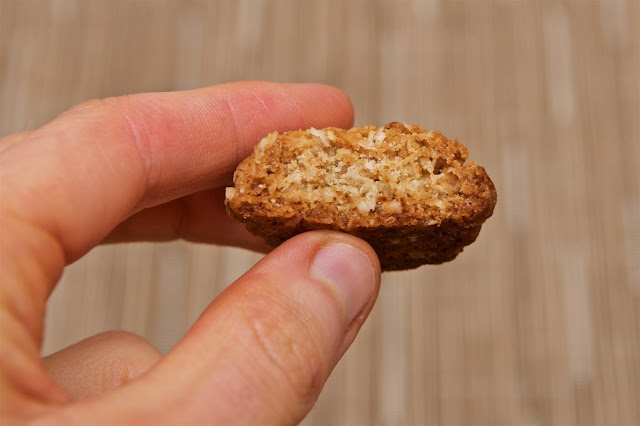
(411, 194)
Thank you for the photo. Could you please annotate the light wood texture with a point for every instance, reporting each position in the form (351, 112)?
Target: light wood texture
(537, 323)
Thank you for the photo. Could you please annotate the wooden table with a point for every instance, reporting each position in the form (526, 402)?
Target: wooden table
(537, 323)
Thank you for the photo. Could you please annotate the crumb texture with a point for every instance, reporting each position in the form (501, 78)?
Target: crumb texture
(410, 193)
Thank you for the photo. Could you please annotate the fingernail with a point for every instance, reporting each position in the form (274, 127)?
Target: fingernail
(350, 271)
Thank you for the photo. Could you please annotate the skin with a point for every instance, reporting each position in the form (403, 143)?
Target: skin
(154, 167)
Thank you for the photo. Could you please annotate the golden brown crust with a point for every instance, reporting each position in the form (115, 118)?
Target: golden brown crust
(411, 194)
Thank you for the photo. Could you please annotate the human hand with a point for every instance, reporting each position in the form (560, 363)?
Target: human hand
(154, 167)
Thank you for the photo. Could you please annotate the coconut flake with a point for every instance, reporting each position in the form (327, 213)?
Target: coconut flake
(320, 134)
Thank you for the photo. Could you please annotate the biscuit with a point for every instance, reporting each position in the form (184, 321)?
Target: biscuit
(409, 193)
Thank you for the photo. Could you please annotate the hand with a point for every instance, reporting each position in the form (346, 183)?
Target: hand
(154, 167)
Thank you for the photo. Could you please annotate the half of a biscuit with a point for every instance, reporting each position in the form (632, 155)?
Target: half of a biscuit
(409, 193)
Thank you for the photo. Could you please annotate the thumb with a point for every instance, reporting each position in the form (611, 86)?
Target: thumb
(262, 351)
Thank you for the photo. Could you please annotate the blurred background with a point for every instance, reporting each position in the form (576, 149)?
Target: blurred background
(537, 323)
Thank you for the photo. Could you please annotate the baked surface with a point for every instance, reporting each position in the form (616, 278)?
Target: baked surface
(410, 193)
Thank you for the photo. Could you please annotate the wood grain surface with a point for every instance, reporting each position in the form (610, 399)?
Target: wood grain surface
(537, 323)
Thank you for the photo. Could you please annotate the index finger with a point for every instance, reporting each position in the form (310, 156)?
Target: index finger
(82, 174)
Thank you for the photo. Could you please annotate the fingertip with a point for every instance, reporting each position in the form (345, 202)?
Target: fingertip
(101, 363)
(320, 104)
(258, 108)
(349, 271)
(346, 264)
(341, 111)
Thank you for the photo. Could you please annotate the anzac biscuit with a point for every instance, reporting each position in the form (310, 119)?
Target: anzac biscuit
(409, 193)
